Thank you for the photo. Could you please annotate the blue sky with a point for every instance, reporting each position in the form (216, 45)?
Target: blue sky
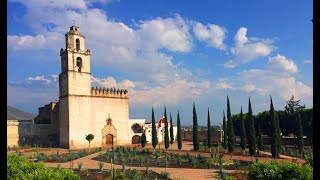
(168, 53)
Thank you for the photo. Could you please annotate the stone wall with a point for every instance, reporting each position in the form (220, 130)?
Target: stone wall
(216, 136)
(12, 133)
(23, 133)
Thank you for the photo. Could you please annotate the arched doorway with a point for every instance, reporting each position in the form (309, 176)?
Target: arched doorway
(109, 139)
(136, 139)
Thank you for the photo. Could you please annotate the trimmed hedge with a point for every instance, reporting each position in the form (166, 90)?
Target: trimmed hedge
(280, 171)
(19, 167)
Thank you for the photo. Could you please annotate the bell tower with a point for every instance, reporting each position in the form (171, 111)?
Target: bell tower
(75, 76)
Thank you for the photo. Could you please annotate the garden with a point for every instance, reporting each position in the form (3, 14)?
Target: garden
(132, 157)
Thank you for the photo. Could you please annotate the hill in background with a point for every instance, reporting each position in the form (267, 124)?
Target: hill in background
(17, 114)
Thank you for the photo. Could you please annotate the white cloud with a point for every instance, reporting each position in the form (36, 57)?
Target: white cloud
(246, 50)
(230, 64)
(223, 84)
(212, 34)
(307, 62)
(142, 93)
(281, 63)
(266, 82)
(170, 33)
(241, 37)
(42, 41)
(39, 78)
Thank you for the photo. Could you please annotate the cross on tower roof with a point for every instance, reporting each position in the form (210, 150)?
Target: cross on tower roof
(74, 22)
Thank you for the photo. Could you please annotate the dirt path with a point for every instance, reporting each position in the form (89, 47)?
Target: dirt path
(175, 173)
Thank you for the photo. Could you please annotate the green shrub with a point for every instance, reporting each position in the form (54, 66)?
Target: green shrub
(280, 171)
(80, 165)
(135, 175)
(41, 157)
(165, 175)
(19, 167)
(101, 164)
(309, 159)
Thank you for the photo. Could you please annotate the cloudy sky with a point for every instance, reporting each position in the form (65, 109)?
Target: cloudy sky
(167, 52)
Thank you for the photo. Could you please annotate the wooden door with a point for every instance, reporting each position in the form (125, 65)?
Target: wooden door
(136, 139)
(109, 139)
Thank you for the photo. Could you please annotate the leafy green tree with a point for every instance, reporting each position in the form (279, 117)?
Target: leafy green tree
(293, 106)
(243, 142)
(275, 138)
(143, 139)
(225, 134)
(195, 130)
(154, 132)
(251, 134)
(292, 110)
(209, 131)
(230, 129)
(179, 133)
(171, 131)
(166, 131)
(89, 138)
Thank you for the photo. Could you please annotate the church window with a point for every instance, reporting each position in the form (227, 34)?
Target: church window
(79, 63)
(77, 44)
(109, 122)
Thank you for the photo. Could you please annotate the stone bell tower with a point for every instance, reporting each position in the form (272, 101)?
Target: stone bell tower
(75, 76)
(74, 81)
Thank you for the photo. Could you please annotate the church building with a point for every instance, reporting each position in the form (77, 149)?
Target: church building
(81, 109)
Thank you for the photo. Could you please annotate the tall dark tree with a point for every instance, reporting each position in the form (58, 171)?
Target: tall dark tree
(154, 132)
(195, 130)
(166, 131)
(230, 129)
(251, 134)
(275, 138)
(179, 133)
(225, 133)
(259, 135)
(299, 134)
(209, 132)
(171, 131)
(143, 139)
(243, 142)
(292, 108)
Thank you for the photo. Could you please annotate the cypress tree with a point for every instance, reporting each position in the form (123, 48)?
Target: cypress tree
(299, 133)
(275, 139)
(166, 132)
(154, 132)
(243, 133)
(179, 133)
(171, 131)
(195, 130)
(252, 133)
(209, 131)
(143, 139)
(225, 133)
(230, 129)
(259, 134)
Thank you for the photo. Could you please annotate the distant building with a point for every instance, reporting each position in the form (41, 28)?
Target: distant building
(138, 125)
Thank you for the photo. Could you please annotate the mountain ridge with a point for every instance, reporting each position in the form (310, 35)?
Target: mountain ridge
(17, 114)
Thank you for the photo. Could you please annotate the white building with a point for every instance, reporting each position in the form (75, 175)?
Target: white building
(138, 125)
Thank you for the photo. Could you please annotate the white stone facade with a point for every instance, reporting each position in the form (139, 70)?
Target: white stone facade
(148, 129)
